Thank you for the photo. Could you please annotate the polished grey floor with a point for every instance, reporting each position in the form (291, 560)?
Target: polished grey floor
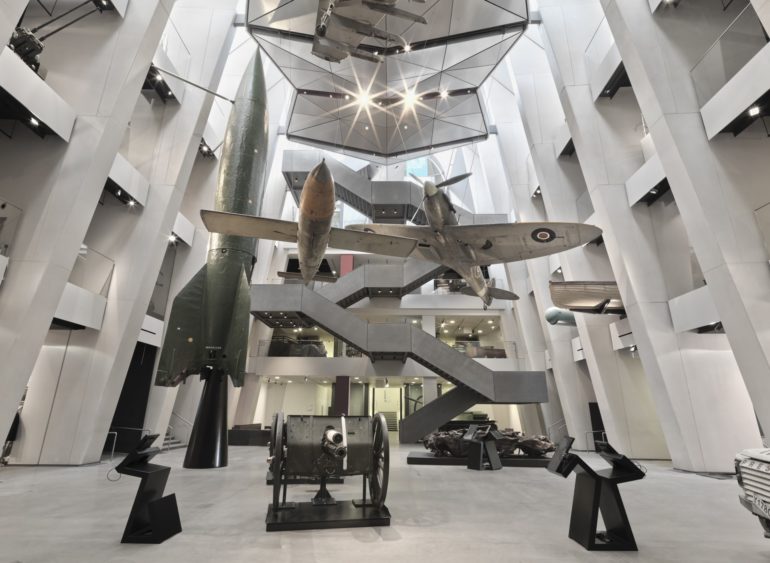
(445, 514)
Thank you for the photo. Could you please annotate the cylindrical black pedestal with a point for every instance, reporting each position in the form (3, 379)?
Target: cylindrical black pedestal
(208, 441)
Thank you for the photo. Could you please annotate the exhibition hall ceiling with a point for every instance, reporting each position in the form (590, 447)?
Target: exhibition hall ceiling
(412, 92)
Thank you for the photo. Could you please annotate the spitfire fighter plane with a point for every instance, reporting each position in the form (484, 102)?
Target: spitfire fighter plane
(341, 26)
(465, 248)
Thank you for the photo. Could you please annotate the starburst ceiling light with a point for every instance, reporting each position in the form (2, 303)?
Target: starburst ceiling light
(428, 71)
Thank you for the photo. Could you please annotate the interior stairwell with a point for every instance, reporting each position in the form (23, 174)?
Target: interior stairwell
(474, 382)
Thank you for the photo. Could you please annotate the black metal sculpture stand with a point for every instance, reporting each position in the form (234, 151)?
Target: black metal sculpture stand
(154, 518)
(598, 491)
(208, 441)
(482, 452)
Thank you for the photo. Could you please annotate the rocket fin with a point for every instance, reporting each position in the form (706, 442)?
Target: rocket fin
(182, 354)
(238, 338)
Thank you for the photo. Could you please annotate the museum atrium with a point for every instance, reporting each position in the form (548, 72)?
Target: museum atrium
(378, 280)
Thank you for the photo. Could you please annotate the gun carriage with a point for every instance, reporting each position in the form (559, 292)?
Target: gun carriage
(322, 448)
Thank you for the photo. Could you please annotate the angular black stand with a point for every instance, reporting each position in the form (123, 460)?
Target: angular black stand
(597, 491)
(482, 454)
(154, 518)
(208, 441)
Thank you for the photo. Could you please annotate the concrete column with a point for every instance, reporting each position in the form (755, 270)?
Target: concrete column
(717, 184)
(608, 147)
(68, 179)
(631, 425)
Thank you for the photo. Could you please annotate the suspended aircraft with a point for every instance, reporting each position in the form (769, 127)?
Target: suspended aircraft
(313, 233)
(341, 26)
(465, 248)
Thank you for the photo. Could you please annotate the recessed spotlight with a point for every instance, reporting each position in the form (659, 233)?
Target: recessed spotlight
(172, 238)
(452, 321)
(446, 331)
(480, 331)
(407, 48)
(754, 111)
(444, 94)
(414, 321)
(366, 127)
(406, 127)
(492, 327)
(169, 93)
(347, 97)
(33, 121)
(489, 322)
(131, 203)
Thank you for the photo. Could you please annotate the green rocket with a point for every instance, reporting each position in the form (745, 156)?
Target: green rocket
(207, 331)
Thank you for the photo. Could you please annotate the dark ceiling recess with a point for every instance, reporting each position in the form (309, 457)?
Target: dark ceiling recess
(618, 80)
(569, 149)
(154, 82)
(758, 110)
(13, 110)
(656, 192)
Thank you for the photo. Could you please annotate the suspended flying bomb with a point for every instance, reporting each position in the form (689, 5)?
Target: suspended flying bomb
(341, 26)
(313, 233)
(465, 248)
(208, 327)
(557, 316)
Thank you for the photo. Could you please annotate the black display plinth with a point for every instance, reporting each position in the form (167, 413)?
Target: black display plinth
(153, 518)
(427, 458)
(295, 480)
(207, 448)
(482, 454)
(597, 491)
(343, 514)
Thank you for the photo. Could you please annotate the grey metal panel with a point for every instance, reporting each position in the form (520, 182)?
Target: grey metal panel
(384, 275)
(390, 338)
(518, 387)
(276, 298)
(344, 287)
(435, 413)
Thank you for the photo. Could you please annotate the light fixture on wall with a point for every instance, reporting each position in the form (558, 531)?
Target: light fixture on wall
(387, 383)
(754, 111)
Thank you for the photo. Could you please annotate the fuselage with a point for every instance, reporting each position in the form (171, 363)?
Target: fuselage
(316, 211)
(453, 254)
(240, 187)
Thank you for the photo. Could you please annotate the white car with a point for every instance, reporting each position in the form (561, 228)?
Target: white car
(753, 470)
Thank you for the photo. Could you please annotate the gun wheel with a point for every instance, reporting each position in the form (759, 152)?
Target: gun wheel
(278, 465)
(378, 477)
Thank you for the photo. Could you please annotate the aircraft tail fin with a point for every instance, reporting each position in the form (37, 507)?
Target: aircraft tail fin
(497, 293)
(494, 293)
(181, 355)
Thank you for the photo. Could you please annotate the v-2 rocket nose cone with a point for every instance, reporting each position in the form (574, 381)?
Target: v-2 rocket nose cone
(322, 173)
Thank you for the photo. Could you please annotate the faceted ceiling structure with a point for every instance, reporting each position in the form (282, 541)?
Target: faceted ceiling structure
(422, 96)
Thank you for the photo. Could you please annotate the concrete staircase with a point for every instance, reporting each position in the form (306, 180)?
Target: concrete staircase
(475, 382)
(380, 280)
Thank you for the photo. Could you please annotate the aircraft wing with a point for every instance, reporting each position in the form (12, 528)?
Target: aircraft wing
(424, 237)
(370, 242)
(286, 231)
(510, 242)
(249, 226)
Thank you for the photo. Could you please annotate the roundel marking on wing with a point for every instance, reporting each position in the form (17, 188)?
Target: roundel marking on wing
(543, 235)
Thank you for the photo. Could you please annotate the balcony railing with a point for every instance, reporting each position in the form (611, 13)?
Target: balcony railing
(286, 347)
(92, 271)
(737, 44)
